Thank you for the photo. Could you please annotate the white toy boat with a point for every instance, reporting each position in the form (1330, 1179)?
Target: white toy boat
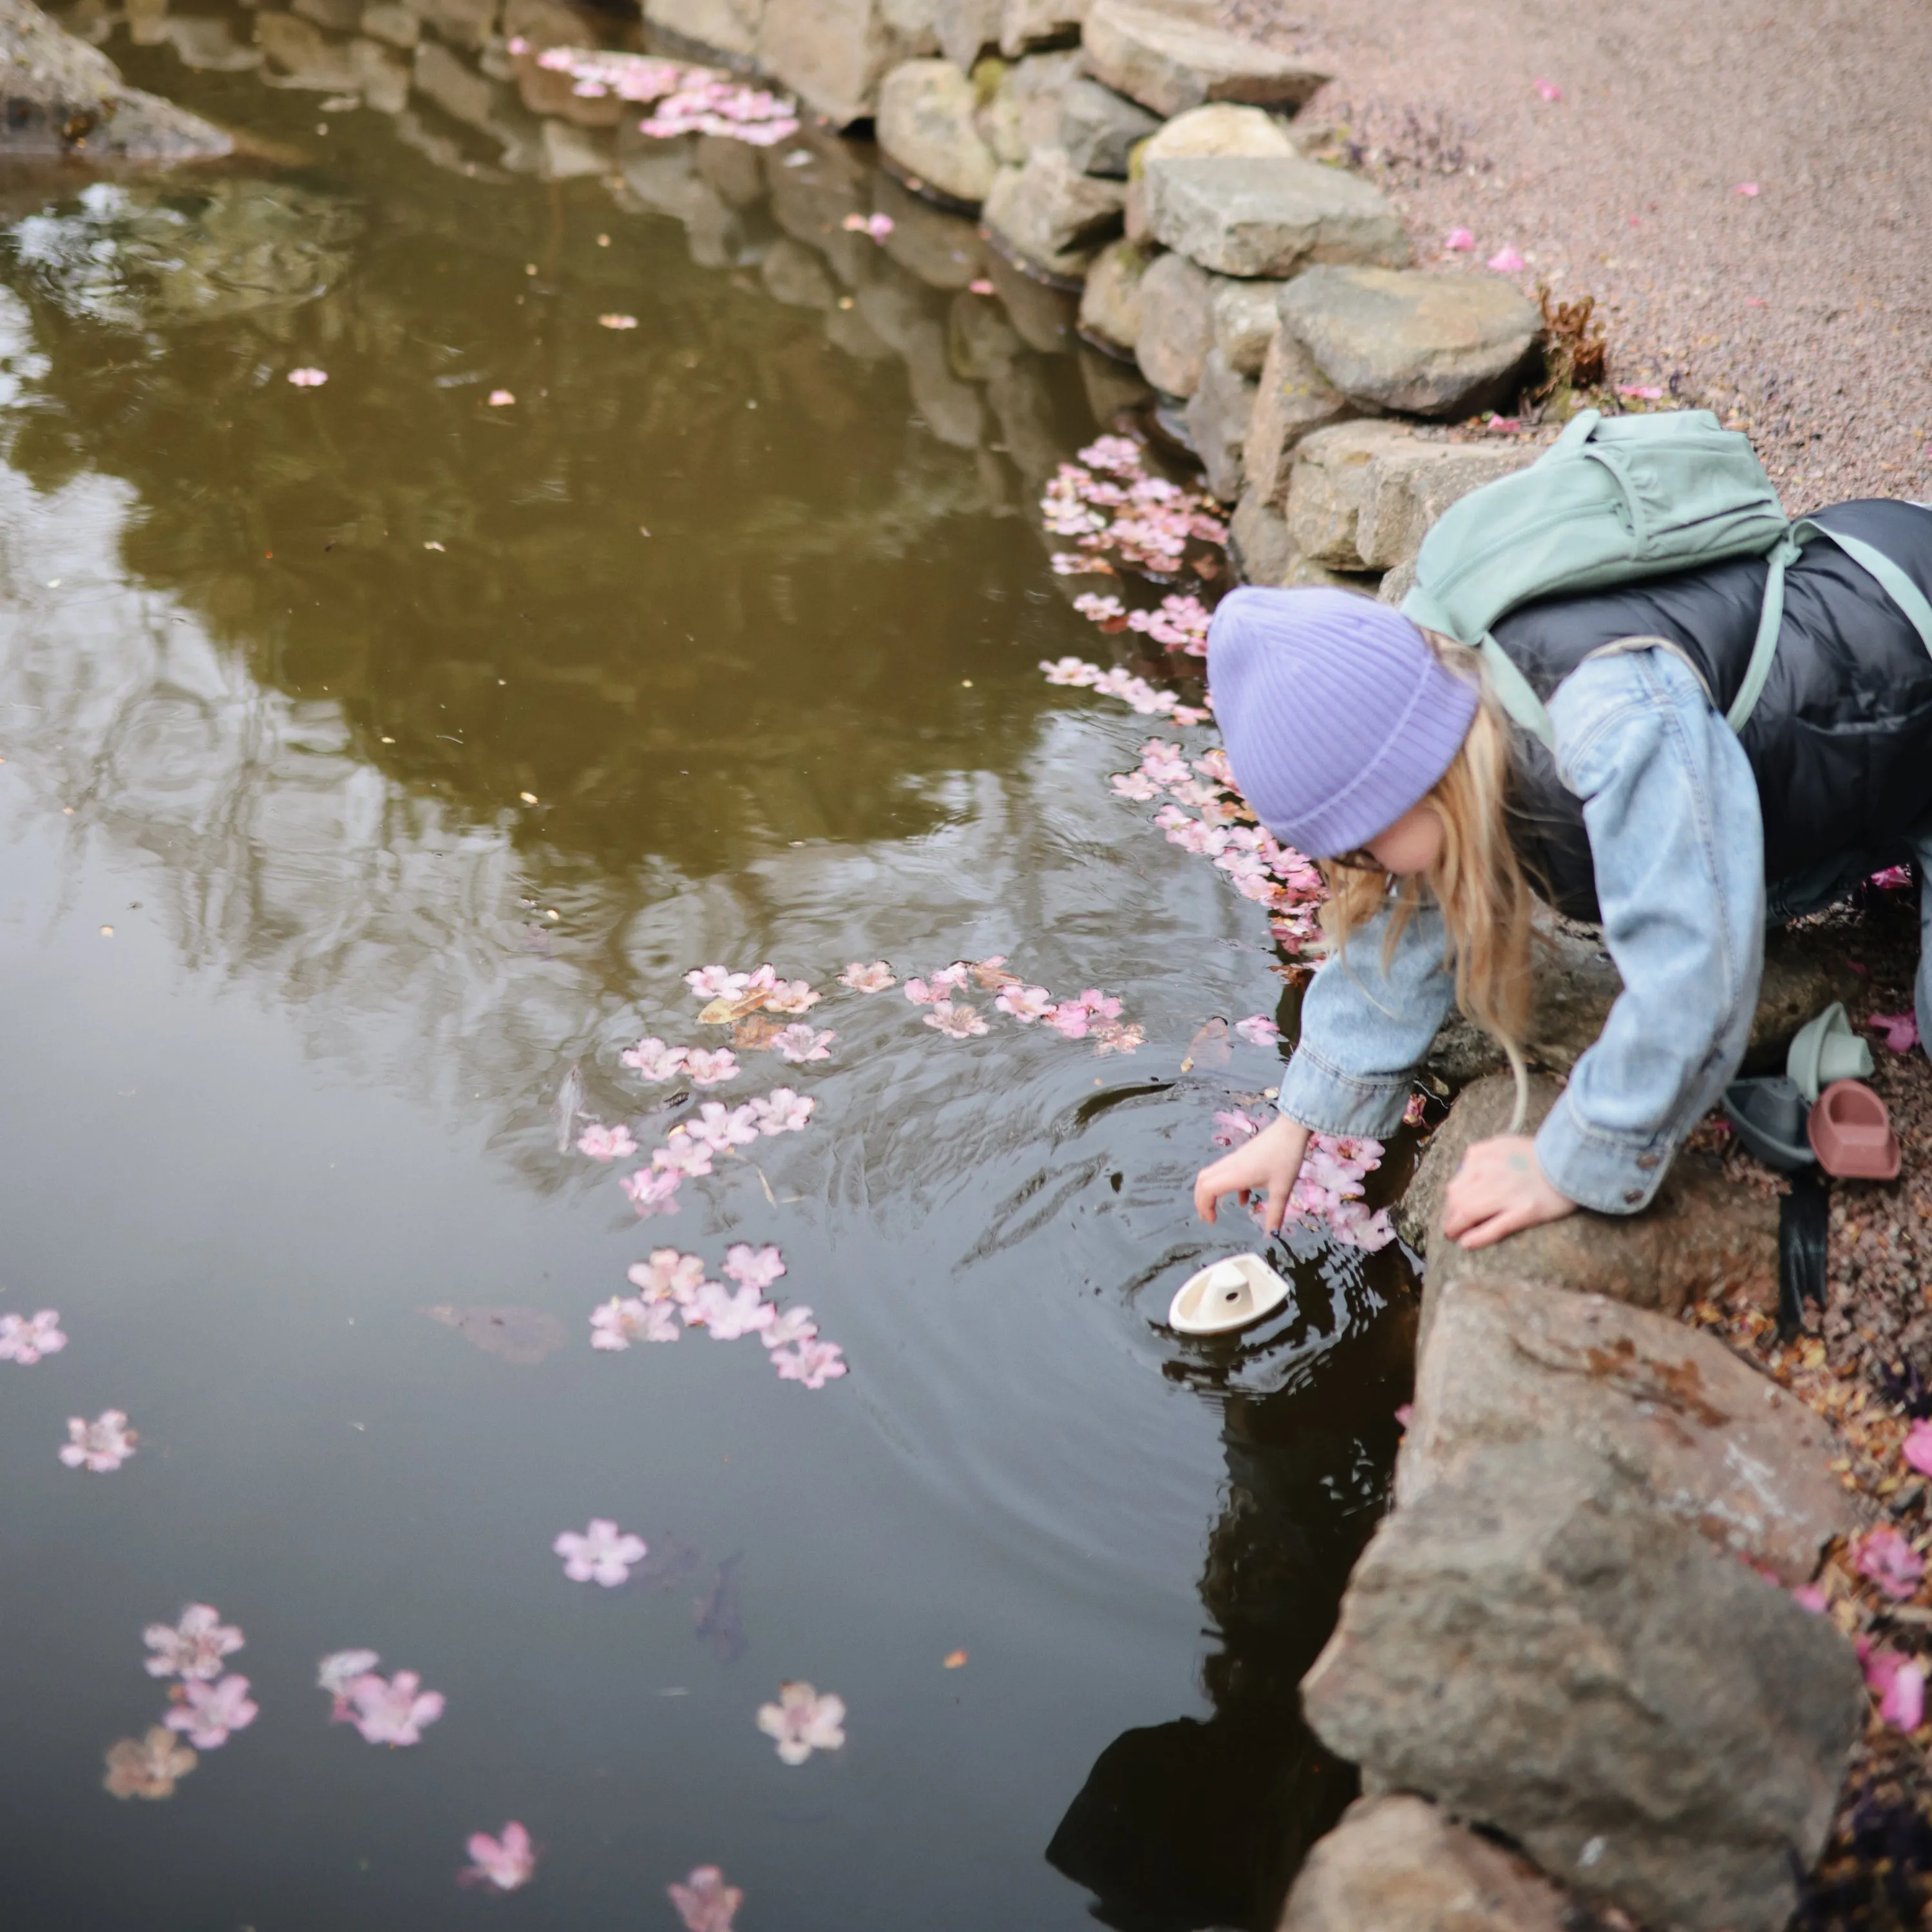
(1230, 1294)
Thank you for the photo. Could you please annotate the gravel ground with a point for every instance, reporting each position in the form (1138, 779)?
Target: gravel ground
(1802, 314)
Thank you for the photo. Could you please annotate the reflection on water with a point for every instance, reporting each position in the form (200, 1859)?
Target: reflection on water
(413, 745)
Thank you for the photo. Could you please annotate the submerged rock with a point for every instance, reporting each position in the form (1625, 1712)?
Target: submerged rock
(1270, 215)
(1535, 1646)
(1217, 415)
(1110, 303)
(63, 97)
(1171, 63)
(1050, 217)
(1399, 339)
(925, 128)
(1706, 1437)
(1398, 1864)
(1100, 128)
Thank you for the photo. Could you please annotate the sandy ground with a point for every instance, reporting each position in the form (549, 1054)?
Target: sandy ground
(1802, 314)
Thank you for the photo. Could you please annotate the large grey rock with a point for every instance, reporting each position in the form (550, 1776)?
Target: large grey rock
(1176, 324)
(59, 96)
(1259, 549)
(967, 29)
(1051, 217)
(1710, 1440)
(1022, 112)
(1293, 399)
(1328, 483)
(1270, 215)
(926, 128)
(1110, 303)
(1245, 321)
(1534, 1645)
(915, 25)
(1431, 345)
(729, 27)
(1217, 417)
(1170, 63)
(1025, 24)
(464, 23)
(1100, 128)
(1699, 1235)
(833, 54)
(1398, 1864)
(1410, 485)
(1222, 127)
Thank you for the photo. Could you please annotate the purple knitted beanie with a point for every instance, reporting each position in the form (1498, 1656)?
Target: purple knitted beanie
(1336, 715)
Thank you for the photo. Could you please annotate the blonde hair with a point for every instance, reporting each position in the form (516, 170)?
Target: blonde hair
(1477, 880)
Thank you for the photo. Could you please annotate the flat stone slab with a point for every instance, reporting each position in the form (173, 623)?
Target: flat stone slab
(925, 129)
(1711, 1442)
(1270, 215)
(1051, 217)
(1428, 345)
(1536, 1646)
(1409, 487)
(1171, 63)
(1398, 1864)
(1295, 399)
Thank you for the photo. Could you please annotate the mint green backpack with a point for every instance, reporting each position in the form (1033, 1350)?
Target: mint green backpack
(1613, 500)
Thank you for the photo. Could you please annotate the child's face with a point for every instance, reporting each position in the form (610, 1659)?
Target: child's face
(1411, 844)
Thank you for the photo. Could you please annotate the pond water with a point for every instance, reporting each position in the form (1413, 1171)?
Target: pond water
(410, 774)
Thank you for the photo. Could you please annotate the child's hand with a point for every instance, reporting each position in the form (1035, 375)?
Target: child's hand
(1267, 1166)
(1498, 1190)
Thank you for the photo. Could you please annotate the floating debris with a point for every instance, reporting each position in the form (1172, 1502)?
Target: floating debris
(519, 1335)
(148, 1767)
(507, 1863)
(719, 1621)
(705, 1902)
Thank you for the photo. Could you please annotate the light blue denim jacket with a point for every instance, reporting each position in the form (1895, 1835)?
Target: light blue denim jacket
(1671, 807)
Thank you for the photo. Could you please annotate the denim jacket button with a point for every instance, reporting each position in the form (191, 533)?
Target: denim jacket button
(1648, 1161)
(1633, 1196)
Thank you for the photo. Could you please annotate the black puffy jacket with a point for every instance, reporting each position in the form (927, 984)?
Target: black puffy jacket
(1840, 741)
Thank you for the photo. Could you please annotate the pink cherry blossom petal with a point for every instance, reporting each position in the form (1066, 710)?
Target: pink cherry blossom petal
(710, 1068)
(1548, 90)
(210, 1713)
(863, 979)
(600, 1553)
(193, 1647)
(802, 1043)
(507, 1863)
(1917, 1448)
(1257, 1029)
(1506, 261)
(393, 1711)
(100, 1446)
(308, 378)
(802, 1721)
(754, 1267)
(782, 1111)
(25, 1339)
(607, 1143)
(1900, 1031)
(500, 399)
(812, 1362)
(705, 1902)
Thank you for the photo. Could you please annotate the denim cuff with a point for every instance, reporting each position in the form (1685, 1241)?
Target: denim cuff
(1316, 1094)
(1613, 1173)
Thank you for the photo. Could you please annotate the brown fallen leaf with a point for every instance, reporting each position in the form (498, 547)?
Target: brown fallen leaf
(518, 1334)
(748, 1036)
(148, 1767)
(1210, 1047)
(725, 1012)
(956, 1660)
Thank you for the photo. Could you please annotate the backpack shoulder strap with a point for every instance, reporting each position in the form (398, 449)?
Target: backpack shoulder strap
(1911, 601)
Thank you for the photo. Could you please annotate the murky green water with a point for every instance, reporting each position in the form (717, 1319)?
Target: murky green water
(279, 664)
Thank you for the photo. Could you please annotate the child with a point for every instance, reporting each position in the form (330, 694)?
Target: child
(1381, 749)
